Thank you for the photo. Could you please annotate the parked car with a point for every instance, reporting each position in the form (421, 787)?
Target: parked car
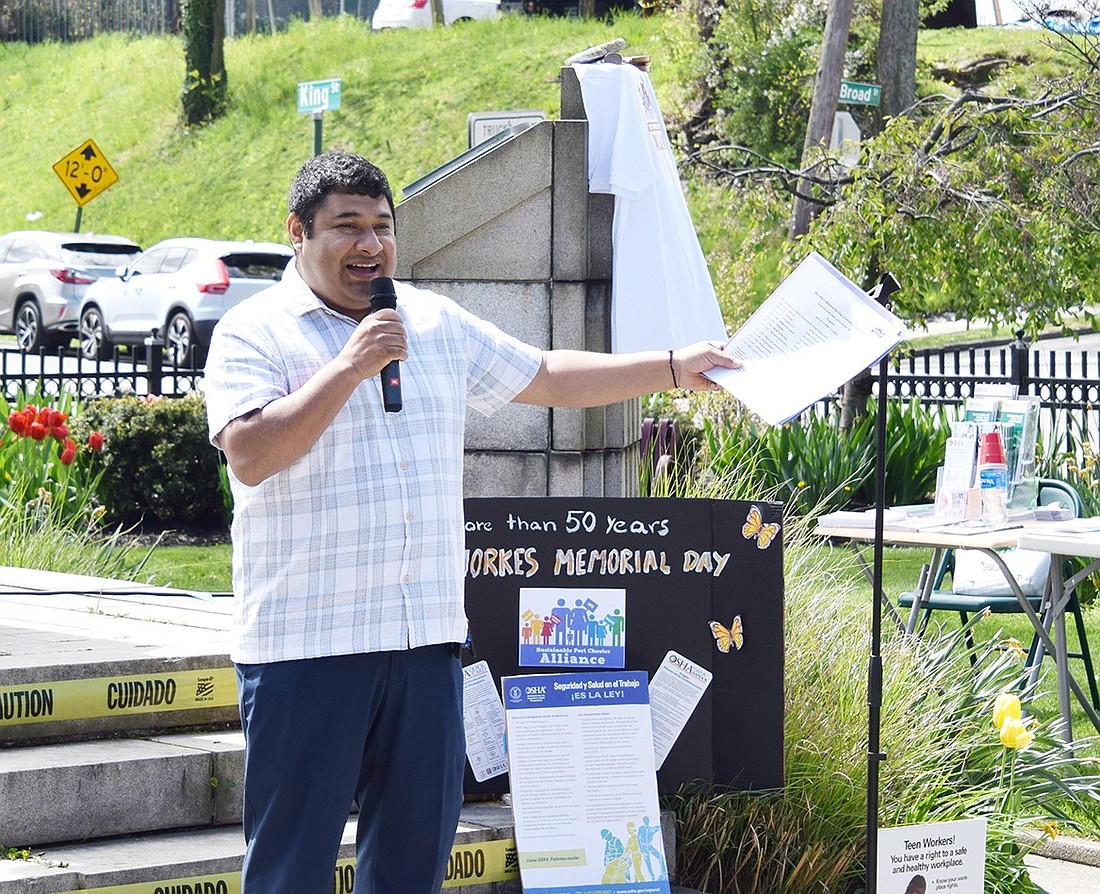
(418, 13)
(44, 275)
(180, 287)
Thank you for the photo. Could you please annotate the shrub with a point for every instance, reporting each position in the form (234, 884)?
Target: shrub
(158, 466)
(814, 466)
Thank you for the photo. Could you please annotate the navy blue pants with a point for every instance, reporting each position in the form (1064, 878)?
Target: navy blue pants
(383, 729)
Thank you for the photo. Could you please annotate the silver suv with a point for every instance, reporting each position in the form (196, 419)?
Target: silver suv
(180, 287)
(44, 275)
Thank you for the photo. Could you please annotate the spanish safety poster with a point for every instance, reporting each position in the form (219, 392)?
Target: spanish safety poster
(584, 785)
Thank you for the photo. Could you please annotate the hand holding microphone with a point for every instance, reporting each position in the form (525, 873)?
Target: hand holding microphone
(382, 295)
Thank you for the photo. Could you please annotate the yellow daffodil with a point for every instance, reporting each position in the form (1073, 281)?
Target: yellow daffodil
(1051, 829)
(1016, 647)
(1015, 734)
(1006, 707)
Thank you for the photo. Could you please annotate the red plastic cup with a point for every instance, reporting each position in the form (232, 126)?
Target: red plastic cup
(991, 450)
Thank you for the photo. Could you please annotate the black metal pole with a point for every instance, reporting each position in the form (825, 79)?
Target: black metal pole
(318, 130)
(887, 286)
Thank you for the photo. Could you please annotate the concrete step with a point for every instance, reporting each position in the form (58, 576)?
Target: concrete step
(97, 776)
(208, 861)
(82, 657)
(79, 790)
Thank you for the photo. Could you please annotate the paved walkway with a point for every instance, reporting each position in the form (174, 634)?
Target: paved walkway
(1062, 876)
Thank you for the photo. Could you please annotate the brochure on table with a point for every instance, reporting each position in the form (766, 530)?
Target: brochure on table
(992, 408)
(816, 331)
(584, 783)
(932, 857)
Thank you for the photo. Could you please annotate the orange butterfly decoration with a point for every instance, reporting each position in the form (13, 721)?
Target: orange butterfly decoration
(754, 526)
(728, 636)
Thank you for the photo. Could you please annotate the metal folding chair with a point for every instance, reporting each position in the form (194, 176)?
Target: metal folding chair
(941, 599)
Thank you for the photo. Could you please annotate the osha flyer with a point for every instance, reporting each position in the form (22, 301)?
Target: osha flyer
(584, 785)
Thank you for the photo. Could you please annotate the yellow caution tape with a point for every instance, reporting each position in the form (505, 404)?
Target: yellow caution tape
(481, 863)
(183, 690)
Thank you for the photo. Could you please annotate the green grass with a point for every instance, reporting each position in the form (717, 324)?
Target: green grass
(900, 570)
(204, 568)
(406, 97)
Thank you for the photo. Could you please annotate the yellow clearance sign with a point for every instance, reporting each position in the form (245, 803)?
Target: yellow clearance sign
(85, 172)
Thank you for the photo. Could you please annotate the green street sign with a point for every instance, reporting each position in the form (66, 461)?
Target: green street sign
(857, 94)
(319, 96)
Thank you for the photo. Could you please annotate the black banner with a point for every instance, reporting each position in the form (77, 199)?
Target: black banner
(561, 584)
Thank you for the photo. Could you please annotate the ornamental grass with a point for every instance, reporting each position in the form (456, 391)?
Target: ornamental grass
(945, 758)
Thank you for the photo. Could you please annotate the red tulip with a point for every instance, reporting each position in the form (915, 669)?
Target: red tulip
(95, 440)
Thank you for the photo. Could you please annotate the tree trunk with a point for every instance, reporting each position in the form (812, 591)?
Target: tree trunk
(204, 83)
(897, 56)
(826, 92)
(437, 13)
(897, 73)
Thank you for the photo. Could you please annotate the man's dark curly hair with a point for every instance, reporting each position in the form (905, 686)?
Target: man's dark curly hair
(337, 171)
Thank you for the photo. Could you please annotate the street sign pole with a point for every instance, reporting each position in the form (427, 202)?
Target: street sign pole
(316, 97)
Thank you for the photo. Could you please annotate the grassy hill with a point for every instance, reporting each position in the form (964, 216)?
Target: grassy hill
(406, 97)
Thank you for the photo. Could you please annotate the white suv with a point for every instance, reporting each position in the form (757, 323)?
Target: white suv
(418, 13)
(180, 287)
(43, 276)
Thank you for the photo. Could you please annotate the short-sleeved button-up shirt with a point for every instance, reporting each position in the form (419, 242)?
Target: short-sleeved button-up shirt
(357, 546)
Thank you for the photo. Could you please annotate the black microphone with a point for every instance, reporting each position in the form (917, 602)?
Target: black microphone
(383, 295)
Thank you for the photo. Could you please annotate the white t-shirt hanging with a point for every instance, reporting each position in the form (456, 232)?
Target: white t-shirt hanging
(661, 293)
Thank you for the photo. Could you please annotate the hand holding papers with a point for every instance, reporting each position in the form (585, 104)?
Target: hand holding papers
(816, 331)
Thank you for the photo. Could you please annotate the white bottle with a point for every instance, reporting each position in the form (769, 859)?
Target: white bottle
(993, 479)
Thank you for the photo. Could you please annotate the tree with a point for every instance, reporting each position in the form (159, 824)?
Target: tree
(897, 56)
(204, 83)
(897, 75)
(823, 109)
(984, 205)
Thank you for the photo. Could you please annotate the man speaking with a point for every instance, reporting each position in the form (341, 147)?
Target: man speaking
(348, 533)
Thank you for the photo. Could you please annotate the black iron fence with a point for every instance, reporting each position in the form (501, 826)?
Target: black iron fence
(1067, 382)
(36, 21)
(50, 375)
